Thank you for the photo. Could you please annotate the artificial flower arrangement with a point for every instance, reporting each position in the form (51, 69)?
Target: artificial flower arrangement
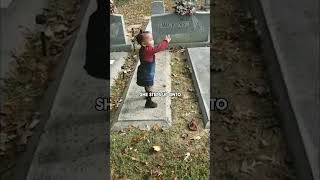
(184, 8)
(113, 8)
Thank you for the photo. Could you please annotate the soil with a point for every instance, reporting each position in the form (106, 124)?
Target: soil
(246, 139)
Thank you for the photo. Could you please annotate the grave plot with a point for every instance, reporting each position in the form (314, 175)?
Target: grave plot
(176, 121)
(133, 112)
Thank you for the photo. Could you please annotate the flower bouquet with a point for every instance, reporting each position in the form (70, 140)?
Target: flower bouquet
(184, 8)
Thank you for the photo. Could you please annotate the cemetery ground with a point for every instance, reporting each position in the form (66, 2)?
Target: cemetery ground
(182, 153)
(173, 153)
(246, 140)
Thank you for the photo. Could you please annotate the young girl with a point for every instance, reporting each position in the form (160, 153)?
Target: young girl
(146, 69)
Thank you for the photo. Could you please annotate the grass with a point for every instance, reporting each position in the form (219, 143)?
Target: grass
(132, 155)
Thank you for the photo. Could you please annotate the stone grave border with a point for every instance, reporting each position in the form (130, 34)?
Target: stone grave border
(195, 82)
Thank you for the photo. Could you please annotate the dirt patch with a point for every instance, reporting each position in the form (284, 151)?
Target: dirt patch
(246, 141)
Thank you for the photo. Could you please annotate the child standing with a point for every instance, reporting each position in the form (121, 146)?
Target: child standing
(146, 69)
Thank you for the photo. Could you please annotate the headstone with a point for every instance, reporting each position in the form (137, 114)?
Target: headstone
(184, 30)
(157, 7)
(118, 39)
(207, 3)
(117, 30)
(199, 60)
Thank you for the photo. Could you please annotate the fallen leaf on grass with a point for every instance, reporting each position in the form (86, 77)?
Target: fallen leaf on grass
(187, 155)
(183, 136)
(156, 127)
(249, 169)
(155, 172)
(196, 138)
(193, 125)
(24, 137)
(156, 148)
(3, 138)
(34, 123)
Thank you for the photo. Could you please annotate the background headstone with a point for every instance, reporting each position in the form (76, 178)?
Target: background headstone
(183, 29)
(118, 38)
(117, 30)
(157, 7)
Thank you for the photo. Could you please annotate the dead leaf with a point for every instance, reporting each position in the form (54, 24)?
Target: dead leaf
(34, 123)
(60, 28)
(249, 169)
(196, 138)
(193, 125)
(156, 127)
(24, 137)
(156, 148)
(263, 143)
(183, 136)
(156, 172)
(49, 33)
(265, 158)
(3, 138)
(186, 156)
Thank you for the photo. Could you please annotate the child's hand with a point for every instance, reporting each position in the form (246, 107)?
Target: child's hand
(167, 38)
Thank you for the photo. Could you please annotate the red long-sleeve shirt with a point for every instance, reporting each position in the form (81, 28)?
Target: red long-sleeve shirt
(149, 51)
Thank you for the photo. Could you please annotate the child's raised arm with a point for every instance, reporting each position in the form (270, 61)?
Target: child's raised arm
(160, 47)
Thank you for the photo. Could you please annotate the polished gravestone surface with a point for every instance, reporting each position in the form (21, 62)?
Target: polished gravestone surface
(199, 59)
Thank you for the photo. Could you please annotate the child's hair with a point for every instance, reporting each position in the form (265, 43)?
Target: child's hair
(140, 36)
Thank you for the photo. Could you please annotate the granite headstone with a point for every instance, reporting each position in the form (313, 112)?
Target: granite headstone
(182, 29)
(117, 30)
(157, 7)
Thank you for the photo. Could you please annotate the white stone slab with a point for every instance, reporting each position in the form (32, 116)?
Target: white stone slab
(133, 112)
(199, 59)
